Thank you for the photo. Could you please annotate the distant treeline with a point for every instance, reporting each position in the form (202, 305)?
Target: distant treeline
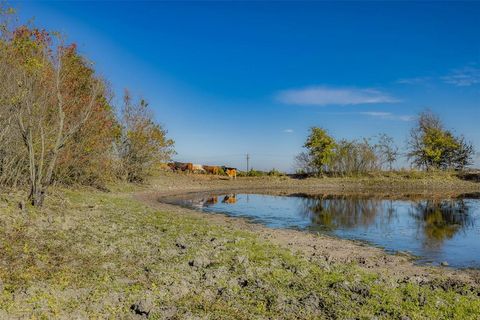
(57, 122)
(430, 146)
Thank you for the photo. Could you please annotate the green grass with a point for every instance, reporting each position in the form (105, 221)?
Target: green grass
(95, 254)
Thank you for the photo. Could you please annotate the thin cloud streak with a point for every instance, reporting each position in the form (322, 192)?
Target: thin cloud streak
(464, 77)
(461, 77)
(288, 130)
(388, 115)
(414, 81)
(323, 96)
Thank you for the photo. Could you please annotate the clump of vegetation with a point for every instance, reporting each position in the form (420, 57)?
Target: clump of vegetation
(321, 150)
(48, 93)
(275, 173)
(259, 173)
(344, 157)
(431, 146)
(143, 144)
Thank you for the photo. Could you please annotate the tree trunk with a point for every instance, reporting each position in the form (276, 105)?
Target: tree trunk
(37, 197)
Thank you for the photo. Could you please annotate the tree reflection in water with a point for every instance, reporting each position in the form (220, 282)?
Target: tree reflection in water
(436, 220)
(441, 219)
(342, 212)
(434, 230)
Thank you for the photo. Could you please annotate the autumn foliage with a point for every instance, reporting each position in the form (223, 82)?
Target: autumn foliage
(57, 123)
(143, 143)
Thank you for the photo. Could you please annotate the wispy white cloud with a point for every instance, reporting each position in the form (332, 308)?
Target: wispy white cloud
(388, 115)
(288, 130)
(322, 96)
(414, 81)
(463, 77)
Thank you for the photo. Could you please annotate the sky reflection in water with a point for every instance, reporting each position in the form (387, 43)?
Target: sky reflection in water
(434, 230)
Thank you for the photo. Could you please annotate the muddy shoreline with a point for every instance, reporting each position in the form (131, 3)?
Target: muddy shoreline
(399, 267)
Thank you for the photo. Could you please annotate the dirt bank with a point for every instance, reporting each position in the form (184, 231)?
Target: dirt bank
(437, 185)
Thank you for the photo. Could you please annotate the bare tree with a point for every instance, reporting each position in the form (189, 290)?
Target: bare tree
(387, 150)
(304, 163)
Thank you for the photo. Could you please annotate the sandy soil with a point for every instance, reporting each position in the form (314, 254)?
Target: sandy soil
(397, 268)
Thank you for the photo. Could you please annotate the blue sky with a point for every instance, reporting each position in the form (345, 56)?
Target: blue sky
(227, 78)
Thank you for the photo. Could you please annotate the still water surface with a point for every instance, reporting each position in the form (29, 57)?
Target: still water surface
(433, 230)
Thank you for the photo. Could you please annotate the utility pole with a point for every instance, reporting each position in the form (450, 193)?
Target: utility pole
(248, 159)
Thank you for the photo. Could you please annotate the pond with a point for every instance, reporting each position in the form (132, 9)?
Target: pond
(433, 230)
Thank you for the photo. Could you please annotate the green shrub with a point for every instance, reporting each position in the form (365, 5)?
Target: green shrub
(275, 173)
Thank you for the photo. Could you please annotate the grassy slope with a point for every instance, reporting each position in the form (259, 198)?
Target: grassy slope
(96, 254)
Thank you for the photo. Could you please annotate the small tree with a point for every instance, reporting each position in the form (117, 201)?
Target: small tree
(387, 150)
(36, 96)
(143, 143)
(463, 155)
(432, 146)
(321, 149)
(304, 163)
(354, 157)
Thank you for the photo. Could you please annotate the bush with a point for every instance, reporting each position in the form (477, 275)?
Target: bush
(433, 147)
(255, 173)
(143, 144)
(275, 173)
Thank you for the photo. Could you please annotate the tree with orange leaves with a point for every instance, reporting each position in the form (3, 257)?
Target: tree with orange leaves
(47, 97)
